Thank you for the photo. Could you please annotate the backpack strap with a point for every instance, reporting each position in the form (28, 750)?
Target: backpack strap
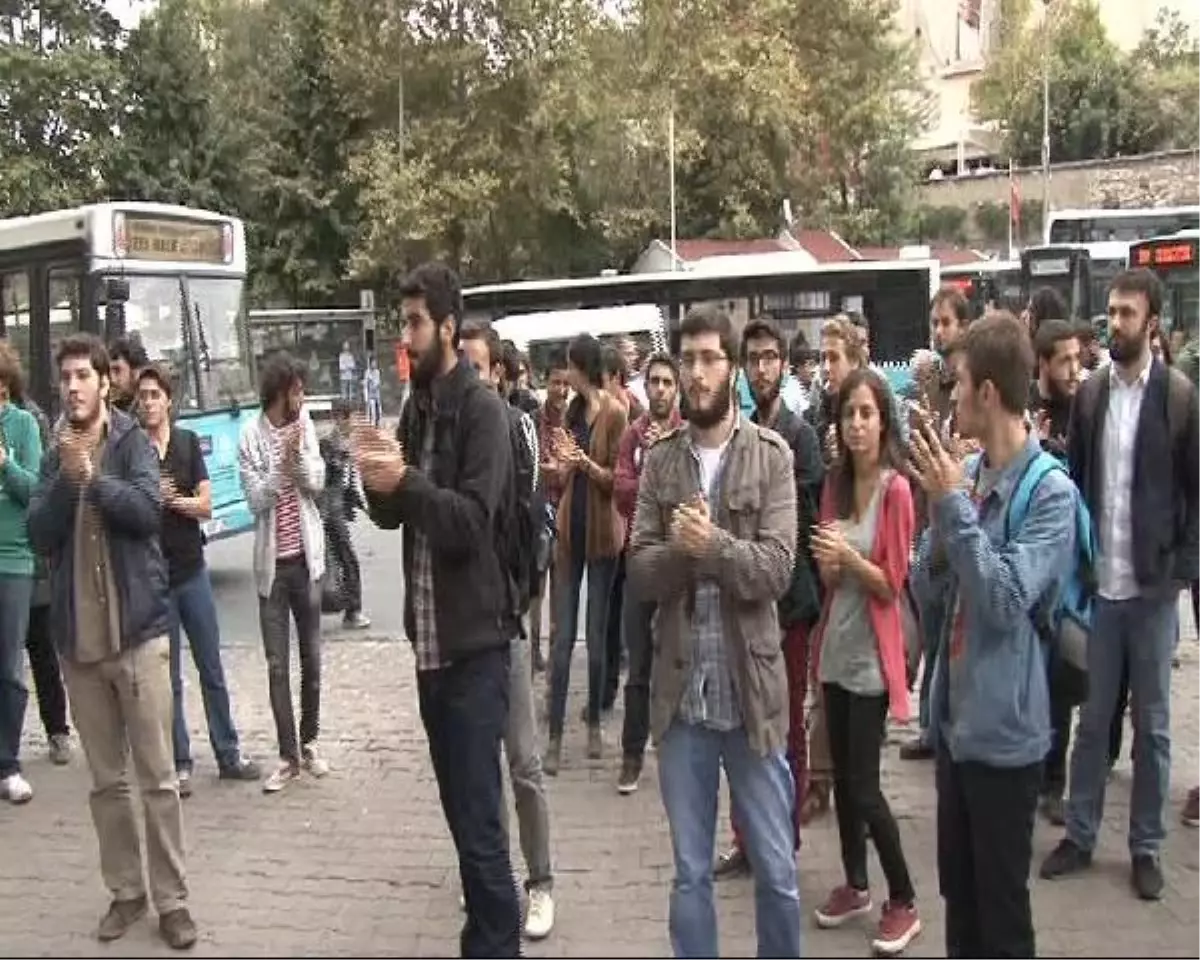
(1032, 474)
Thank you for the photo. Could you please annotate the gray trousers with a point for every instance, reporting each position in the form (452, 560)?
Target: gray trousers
(294, 596)
(525, 769)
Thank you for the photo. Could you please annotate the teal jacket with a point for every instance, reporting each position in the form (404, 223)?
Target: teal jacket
(22, 442)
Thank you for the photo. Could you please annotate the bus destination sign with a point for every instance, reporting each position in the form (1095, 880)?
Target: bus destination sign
(158, 238)
(1166, 255)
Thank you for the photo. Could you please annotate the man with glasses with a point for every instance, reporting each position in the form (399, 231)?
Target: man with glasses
(714, 545)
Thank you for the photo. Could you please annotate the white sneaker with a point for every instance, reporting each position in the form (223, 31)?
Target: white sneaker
(16, 789)
(314, 763)
(284, 774)
(539, 915)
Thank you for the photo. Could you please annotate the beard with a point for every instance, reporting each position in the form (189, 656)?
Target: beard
(765, 394)
(710, 416)
(426, 365)
(661, 409)
(1126, 347)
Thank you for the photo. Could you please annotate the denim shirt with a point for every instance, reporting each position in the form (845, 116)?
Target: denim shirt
(1004, 720)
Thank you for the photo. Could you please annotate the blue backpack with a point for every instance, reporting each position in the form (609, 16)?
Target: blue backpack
(1063, 616)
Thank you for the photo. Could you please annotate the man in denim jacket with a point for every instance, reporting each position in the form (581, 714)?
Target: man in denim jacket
(990, 703)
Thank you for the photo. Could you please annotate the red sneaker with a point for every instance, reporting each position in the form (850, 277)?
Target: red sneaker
(844, 903)
(898, 927)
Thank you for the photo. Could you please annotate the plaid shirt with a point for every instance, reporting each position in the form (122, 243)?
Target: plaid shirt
(425, 643)
(710, 698)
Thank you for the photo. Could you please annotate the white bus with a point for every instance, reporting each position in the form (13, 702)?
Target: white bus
(174, 276)
(893, 297)
(1118, 226)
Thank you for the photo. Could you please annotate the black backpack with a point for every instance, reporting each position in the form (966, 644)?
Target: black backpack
(528, 514)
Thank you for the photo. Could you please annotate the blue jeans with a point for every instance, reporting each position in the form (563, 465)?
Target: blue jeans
(570, 579)
(464, 708)
(193, 607)
(15, 595)
(1139, 633)
(689, 775)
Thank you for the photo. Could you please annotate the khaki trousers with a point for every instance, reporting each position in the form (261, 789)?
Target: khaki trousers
(123, 706)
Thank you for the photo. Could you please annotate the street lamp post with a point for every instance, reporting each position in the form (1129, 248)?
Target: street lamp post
(1046, 116)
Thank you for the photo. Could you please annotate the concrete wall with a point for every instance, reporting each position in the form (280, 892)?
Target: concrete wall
(1156, 179)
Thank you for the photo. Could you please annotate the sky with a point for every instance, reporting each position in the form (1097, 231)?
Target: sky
(129, 12)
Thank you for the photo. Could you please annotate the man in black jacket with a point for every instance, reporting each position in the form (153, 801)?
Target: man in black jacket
(1132, 448)
(448, 478)
(96, 514)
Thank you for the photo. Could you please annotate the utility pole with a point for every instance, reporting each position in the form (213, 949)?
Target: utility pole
(671, 161)
(1046, 116)
(400, 133)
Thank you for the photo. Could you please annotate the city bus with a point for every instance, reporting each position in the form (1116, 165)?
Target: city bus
(315, 337)
(1176, 260)
(892, 296)
(1119, 226)
(1066, 268)
(173, 276)
(986, 283)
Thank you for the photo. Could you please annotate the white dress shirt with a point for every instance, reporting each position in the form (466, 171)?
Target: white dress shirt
(1115, 563)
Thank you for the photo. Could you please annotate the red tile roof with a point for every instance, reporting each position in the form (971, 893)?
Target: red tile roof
(824, 246)
(689, 250)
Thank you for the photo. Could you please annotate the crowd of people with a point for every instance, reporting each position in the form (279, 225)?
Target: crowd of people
(777, 550)
(774, 579)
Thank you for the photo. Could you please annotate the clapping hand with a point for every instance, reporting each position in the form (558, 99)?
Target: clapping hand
(170, 493)
(75, 455)
(692, 528)
(378, 457)
(829, 547)
(567, 449)
(934, 468)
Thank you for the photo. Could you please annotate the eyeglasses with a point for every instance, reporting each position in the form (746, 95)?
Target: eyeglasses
(767, 358)
(705, 360)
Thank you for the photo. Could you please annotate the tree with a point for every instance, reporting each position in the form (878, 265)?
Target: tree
(58, 107)
(177, 140)
(307, 125)
(1096, 96)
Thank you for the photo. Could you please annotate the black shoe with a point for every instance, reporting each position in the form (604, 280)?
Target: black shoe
(177, 928)
(631, 773)
(1053, 809)
(1065, 859)
(917, 750)
(122, 914)
(242, 770)
(732, 863)
(1146, 877)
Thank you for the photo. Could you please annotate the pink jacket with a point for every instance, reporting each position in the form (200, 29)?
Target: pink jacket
(891, 553)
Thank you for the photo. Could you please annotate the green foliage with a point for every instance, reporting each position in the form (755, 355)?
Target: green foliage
(942, 224)
(60, 103)
(1103, 103)
(535, 132)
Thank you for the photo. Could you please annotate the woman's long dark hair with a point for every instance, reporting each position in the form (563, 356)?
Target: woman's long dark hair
(842, 475)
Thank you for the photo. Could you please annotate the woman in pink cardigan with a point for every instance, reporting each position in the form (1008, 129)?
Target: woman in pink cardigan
(862, 549)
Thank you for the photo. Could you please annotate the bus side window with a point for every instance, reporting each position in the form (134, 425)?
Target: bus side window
(14, 305)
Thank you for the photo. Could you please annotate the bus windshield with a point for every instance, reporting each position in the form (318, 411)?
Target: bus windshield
(207, 349)
(216, 304)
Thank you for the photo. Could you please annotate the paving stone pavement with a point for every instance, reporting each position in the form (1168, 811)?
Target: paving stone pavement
(361, 863)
